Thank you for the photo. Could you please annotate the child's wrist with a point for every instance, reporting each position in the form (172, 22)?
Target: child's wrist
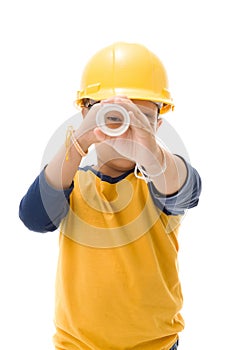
(159, 166)
(76, 144)
(85, 140)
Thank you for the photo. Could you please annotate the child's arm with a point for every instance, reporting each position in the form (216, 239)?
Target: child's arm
(43, 207)
(60, 171)
(47, 201)
(185, 198)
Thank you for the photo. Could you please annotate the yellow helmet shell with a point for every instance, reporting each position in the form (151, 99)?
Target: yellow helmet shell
(125, 69)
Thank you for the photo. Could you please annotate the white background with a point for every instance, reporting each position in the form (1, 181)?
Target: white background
(44, 47)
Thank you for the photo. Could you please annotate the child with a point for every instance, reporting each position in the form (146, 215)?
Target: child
(117, 281)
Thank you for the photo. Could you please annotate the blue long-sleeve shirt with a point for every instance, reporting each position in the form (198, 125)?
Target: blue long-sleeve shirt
(43, 207)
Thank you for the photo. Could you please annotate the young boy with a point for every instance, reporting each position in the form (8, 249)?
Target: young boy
(117, 279)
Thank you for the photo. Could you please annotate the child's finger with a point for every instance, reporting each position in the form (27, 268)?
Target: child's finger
(99, 135)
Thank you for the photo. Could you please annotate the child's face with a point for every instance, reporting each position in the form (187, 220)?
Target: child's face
(109, 157)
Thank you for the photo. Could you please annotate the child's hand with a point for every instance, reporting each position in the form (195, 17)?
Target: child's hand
(138, 143)
(85, 133)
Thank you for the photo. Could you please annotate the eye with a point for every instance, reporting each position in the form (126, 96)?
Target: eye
(114, 119)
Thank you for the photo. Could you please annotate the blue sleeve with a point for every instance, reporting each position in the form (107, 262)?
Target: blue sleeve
(43, 207)
(187, 197)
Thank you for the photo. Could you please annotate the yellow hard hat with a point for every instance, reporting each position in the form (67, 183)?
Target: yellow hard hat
(125, 69)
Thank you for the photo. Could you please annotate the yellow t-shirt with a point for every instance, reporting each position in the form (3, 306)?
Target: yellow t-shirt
(117, 281)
